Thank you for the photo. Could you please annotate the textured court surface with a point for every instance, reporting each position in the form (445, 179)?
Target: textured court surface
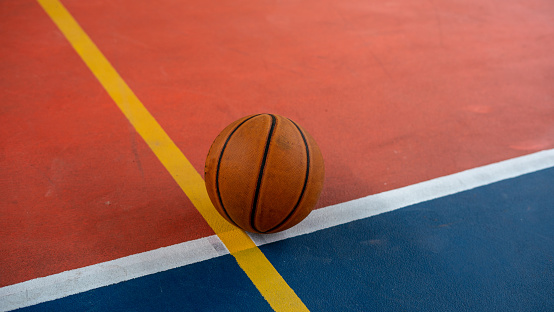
(485, 249)
(394, 92)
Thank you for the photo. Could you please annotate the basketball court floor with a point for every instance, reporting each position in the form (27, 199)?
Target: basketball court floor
(435, 120)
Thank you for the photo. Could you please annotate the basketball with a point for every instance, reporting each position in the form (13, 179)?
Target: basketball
(264, 173)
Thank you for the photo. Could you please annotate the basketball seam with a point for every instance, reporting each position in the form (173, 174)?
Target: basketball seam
(305, 180)
(219, 165)
(261, 173)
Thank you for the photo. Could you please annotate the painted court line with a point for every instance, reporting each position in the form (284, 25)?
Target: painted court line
(391, 200)
(107, 273)
(103, 274)
(252, 261)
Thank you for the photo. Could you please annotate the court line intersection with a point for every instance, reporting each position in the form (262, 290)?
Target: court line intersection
(251, 260)
(103, 274)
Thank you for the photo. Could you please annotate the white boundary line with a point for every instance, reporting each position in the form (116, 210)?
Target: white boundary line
(391, 200)
(107, 273)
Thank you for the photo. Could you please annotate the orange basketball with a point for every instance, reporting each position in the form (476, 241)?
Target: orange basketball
(264, 173)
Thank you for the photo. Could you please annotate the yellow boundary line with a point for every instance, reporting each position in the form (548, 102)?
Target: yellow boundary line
(261, 272)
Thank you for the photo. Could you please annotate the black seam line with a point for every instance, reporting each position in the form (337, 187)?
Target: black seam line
(260, 175)
(219, 165)
(305, 180)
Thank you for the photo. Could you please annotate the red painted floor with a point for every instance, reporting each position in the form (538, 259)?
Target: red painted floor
(394, 92)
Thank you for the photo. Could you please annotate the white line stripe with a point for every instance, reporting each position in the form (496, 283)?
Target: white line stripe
(391, 200)
(107, 273)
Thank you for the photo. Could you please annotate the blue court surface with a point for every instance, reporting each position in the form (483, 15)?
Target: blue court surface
(486, 249)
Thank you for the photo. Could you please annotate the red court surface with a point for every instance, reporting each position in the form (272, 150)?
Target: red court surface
(394, 92)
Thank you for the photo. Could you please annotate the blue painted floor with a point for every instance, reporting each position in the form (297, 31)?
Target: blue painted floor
(488, 249)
